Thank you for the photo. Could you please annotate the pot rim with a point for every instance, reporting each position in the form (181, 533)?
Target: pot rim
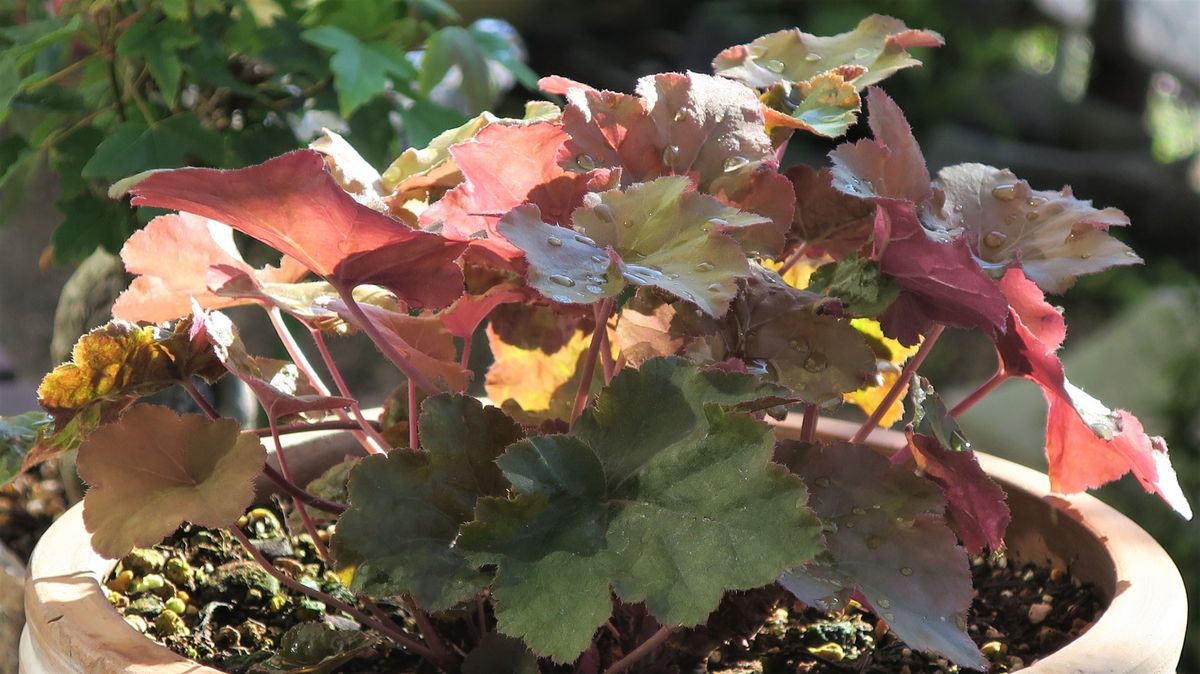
(65, 606)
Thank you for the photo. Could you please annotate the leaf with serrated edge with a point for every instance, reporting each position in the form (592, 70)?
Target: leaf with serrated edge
(1053, 236)
(827, 221)
(350, 170)
(662, 493)
(885, 536)
(889, 165)
(153, 470)
(436, 490)
(878, 44)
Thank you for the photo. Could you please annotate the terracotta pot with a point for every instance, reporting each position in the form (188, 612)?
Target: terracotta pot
(12, 613)
(72, 629)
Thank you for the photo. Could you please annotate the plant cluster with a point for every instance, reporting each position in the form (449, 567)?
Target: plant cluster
(654, 287)
(97, 91)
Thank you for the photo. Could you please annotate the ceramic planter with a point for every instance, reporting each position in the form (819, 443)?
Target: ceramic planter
(72, 629)
(12, 613)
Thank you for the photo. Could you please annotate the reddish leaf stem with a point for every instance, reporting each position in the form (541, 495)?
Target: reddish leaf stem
(339, 425)
(905, 377)
(980, 393)
(414, 414)
(200, 400)
(465, 361)
(603, 310)
(643, 649)
(808, 427)
(429, 633)
(792, 259)
(307, 497)
(391, 631)
(378, 444)
(296, 500)
(381, 343)
(606, 358)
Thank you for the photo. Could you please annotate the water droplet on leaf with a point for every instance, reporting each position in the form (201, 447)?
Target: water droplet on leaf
(703, 267)
(885, 603)
(775, 65)
(858, 511)
(587, 241)
(994, 239)
(715, 288)
(670, 155)
(861, 53)
(585, 162)
(594, 289)
(735, 162)
(816, 362)
(554, 242)
(1005, 192)
(564, 281)
(906, 571)
(812, 58)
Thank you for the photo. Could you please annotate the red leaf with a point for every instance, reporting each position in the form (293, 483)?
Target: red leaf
(828, 221)
(506, 165)
(940, 280)
(423, 340)
(975, 501)
(465, 315)
(559, 85)
(173, 254)
(293, 204)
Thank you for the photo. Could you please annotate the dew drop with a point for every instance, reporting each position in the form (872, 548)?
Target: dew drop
(1054, 209)
(1085, 256)
(861, 53)
(735, 162)
(906, 571)
(960, 622)
(994, 239)
(1005, 192)
(564, 281)
(597, 279)
(1035, 201)
(628, 224)
(717, 222)
(757, 51)
(850, 524)
(775, 65)
(1010, 218)
(585, 162)
(858, 511)
(598, 259)
(715, 288)
(679, 116)
(1032, 216)
(873, 542)
(554, 242)
(670, 155)
(812, 58)
(890, 617)
(885, 603)
(561, 299)
(799, 344)
(604, 212)
(587, 241)
(594, 289)
(823, 482)
(703, 267)
(816, 362)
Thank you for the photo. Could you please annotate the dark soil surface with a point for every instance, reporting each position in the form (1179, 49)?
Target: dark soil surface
(232, 616)
(28, 505)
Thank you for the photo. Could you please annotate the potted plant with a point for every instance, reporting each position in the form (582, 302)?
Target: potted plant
(656, 287)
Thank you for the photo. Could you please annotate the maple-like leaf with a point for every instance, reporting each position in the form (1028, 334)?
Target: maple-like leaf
(940, 280)
(877, 46)
(293, 204)
(828, 221)
(662, 494)
(532, 385)
(1087, 444)
(280, 388)
(120, 361)
(662, 234)
(436, 490)
(886, 538)
(423, 340)
(172, 255)
(153, 470)
(1053, 236)
(531, 175)
(890, 356)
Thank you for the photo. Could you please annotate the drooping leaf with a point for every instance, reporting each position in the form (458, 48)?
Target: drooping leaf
(158, 45)
(278, 384)
(663, 494)
(133, 147)
(315, 648)
(153, 470)
(498, 653)
(436, 491)
(858, 283)
(172, 254)
(931, 418)
(18, 435)
(940, 279)
(120, 361)
(826, 105)
(890, 356)
(660, 234)
(885, 538)
(1053, 236)
(531, 175)
(890, 165)
(361, 70)
(279, 201)
(423, 340)
(828, 221)
(878, 45)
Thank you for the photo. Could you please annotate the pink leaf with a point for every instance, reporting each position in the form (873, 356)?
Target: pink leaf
(891, 165)
(464, 316)
(423, 340)
(293, 204)
(940, 280)
(560, 86)
(976, 502)
(172, 254)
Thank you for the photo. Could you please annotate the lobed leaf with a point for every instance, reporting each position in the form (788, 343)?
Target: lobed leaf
(858, 283)
(132, 147)
(662, 493)
(153, 470)
(886, 539)
(361, 70)
(826, 105)
(435, 491)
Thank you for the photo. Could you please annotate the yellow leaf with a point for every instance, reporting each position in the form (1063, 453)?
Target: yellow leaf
(798, 274)
(890, 357)
(530, 377)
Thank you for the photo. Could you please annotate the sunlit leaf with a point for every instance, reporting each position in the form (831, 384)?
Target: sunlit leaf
(423, 340)
(350, 170)
(531, 384)
(153, 470)
(890, 356)
(826, 105)
(307, 302)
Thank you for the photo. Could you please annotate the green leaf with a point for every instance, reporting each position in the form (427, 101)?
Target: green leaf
(886, 537)
(863, 289)
(26, 40)
(425, 120)
(498, 653)
(455, 46)
(315, 648)
(153, 470)
(931, 418)
(360, 69)
(406, 508)
(158, 44)
(500, 50)
(90, 223)
(10, 84)
(15, 178)
(134, 147)
(17, 436)
(663, 493)
(826, 105)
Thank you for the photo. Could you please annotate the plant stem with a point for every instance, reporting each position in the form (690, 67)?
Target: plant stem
(390, 631)
(465, 361)
(295, 491)
(429, 633)
(643, 649)
(808, 427)
(393, 354)
(63, 72)
(792, 259)
(377, 444)
(603, 311)
(414, 414)
(606, 358)
(980, 393)
(296, 500)
(339, 425)
(200, 400)
(905, 377)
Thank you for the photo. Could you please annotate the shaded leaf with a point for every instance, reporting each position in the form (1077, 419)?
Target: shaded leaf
(463, 317)
(454, 46)
(1053, 236)
(132, 147)
(859, 284)
(498, 653)
(315, 648)
(158, 44)
(878, 45)
(885, 538)
(153, 470)
(18, 435)
(361, 70)
(930, 417)
(331, 486)
(826, 220)
(662, 493)
(423, 340)
(306, 302)
(436, 489)
(278, 201)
